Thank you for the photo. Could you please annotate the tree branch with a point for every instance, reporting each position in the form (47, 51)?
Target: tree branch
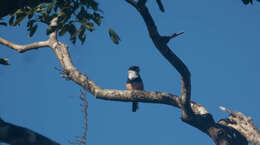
(24, 48)
(159, 2)
(16, 135)
(161, 44)
(193, 113)
(242, 124)
(204, 122)
(201, 118)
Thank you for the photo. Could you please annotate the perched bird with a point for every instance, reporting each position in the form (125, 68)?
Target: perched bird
(134, 82)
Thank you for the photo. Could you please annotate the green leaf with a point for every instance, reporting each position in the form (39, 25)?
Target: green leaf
(4, 61)
(87, 25)
(50, 30)
(77, 12)
(82, 13)
(11, 20)
(71, 29)
(73, 41)
(90, 26)
(73, 32)
(32, 30)
(74, 35)
(63, 17)
(50, 7)
(114, 36)
(30, 23)
(93, 5)
(82, 34)
(97, 18)
(19, 12)
(3, 23)
(19, 18)
(30, 15)
(63, 30)
(247, 1)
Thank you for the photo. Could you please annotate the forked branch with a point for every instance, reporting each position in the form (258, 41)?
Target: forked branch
(160, 43)
(192, 113)
(204, 121)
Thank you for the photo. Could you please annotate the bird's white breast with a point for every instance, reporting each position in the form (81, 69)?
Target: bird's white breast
(132, 75)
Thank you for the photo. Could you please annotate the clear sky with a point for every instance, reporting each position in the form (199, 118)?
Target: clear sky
(220, 46)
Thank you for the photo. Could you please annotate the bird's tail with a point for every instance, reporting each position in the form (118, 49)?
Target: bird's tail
(135, 106)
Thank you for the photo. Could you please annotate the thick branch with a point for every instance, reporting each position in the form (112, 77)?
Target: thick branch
(242, 124)
(70, 72)
(23, 48)
(205, 122)
(200, 119)
(175, 61)
(16, 135)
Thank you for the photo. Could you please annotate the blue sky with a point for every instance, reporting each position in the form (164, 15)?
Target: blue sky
(220, 46)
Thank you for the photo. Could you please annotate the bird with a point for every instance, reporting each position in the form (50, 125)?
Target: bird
(134, 82)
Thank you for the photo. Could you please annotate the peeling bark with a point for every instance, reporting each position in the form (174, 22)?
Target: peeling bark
(193, 113)
(242, 124)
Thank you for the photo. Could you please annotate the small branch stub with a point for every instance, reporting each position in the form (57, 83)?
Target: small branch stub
(166, 39)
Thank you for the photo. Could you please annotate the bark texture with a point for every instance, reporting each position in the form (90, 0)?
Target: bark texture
(193, 113)
(242, 124)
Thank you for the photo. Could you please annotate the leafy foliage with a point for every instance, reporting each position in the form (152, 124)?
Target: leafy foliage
(4, 61)
(74, 17)
(114, 36)
(3, 23)
(249, 1)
